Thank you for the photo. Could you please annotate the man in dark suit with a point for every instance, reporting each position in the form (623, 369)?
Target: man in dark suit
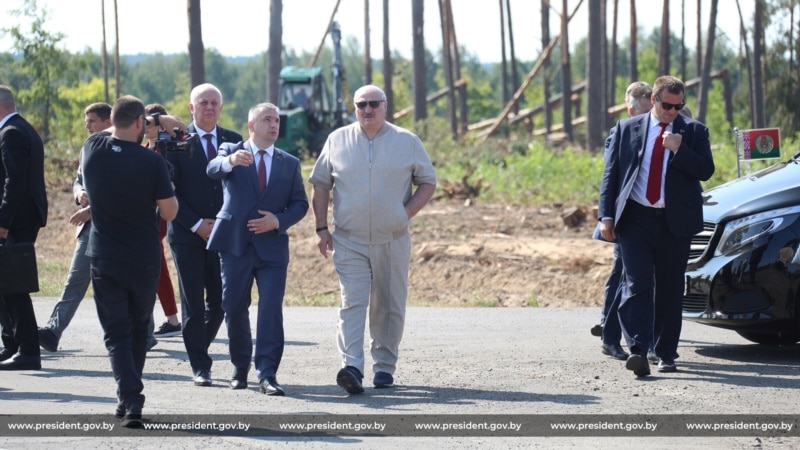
(200, 198)
(23, 211)
(264, 196)
(651, 201)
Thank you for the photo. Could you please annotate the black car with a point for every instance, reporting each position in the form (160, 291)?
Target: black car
(744, 268)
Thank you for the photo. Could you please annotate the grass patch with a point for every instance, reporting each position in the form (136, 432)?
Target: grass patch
(52, 274)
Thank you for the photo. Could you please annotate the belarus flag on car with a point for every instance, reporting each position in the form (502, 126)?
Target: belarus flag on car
(761, 143)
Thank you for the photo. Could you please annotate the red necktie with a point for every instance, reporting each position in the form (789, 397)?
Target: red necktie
(211, 152)
(656, 168)
(262, 172)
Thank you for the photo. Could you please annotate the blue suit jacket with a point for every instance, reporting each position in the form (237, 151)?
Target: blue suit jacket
(285, 196)
(199, 197)
(691, 164)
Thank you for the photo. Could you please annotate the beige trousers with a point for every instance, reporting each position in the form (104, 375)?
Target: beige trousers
(372, 278)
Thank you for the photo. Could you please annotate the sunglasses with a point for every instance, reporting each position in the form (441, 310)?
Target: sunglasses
(668, 106)
(372, 104)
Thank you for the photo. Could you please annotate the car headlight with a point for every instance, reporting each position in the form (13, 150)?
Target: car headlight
(742, 232)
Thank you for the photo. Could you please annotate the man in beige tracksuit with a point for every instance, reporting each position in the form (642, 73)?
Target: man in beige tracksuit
(370, 167)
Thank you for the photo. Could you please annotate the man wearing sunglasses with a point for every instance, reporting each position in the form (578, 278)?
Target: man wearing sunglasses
(651, 202)
(370, 167)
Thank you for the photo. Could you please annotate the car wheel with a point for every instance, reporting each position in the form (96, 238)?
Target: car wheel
(771, 338)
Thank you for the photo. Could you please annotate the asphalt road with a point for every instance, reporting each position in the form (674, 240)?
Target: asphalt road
(457, 364)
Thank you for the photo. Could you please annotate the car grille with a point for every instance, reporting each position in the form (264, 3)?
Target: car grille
(700, 241)
(694, 303)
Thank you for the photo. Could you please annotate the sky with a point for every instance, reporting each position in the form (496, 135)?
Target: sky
(241, 27)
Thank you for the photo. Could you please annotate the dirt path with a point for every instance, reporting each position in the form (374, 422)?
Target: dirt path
(485, 255)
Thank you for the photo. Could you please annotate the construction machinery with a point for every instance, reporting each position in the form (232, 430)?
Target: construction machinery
(310, 111)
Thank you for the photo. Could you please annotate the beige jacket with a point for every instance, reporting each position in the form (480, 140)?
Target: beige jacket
(371, 180)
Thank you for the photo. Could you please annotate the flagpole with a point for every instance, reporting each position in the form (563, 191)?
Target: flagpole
(738, 156)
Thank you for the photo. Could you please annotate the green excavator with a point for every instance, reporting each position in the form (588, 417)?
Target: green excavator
(310, 111)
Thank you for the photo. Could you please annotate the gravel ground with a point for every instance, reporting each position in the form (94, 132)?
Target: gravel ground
(470, 362)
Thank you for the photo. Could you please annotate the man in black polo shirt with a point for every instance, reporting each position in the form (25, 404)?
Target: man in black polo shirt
(127, 185)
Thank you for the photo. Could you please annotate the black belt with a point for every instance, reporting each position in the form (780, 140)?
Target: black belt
(644, 210)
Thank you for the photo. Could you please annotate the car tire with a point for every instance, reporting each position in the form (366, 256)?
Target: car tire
(763, 338)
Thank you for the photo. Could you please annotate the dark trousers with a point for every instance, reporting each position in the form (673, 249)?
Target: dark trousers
(7, 329)
(653, 258)
(612, 333)
(124, 294)
(238, 273)
(200, 283)
(17, 317)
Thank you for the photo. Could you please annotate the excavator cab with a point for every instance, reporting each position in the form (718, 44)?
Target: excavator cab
(305, 89)
(309, 109)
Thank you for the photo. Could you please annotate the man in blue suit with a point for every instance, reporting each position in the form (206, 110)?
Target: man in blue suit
(200, 198)
(264, 196)
(651, 202)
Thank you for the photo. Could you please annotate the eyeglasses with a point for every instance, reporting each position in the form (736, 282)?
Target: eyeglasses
(372, 104)
(668, 106)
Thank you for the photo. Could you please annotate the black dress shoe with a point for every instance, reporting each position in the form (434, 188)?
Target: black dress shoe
(615, 351)
(133, 418)
(22, 362)
(651, 355)
(597, 330)
(638, 364)
(270, 386)
(349, 378)
(202, 378)
(239, 378)
(665, 365)
(48, 340)
(119, 413)
(7, 354)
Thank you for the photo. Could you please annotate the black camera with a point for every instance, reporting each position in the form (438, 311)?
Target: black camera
(180, 143)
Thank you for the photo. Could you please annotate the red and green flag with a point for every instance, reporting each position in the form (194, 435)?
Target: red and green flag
(761, 143)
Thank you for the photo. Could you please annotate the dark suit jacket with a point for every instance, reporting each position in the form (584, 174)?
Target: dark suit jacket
(23, 197)
(285, 196)
(691, 164)
(198, 195)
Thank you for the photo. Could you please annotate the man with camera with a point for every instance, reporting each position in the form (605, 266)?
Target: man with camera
(97, 117)
(200, 197)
